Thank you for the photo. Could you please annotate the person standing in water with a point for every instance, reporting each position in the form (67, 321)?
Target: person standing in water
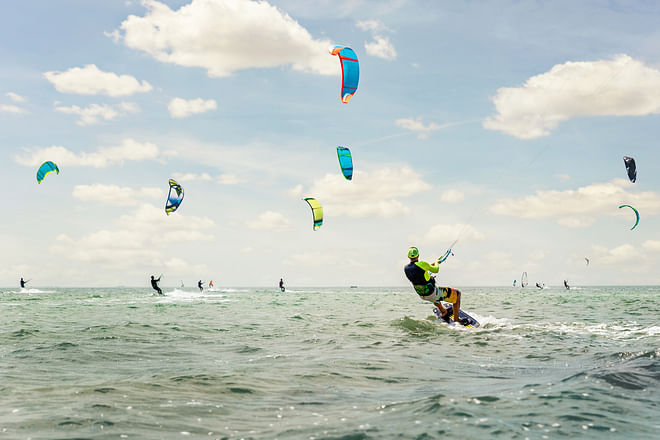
(154, 284)
(199, 284)
(282, 289)
(418, 273)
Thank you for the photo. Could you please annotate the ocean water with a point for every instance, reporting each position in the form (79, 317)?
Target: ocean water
(328, 363)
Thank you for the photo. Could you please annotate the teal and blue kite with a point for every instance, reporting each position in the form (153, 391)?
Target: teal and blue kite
(350, 71)
(45, 169)
(345, 162)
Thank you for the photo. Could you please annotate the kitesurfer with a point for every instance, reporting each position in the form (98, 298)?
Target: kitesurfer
(282, 285)
(418, 274)
(199, 285)
(23, 283)
(154, 284)
(210, 283)
(566, 285)
(539, 286)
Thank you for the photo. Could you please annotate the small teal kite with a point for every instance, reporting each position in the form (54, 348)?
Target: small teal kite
(45, 169)
(345, 162)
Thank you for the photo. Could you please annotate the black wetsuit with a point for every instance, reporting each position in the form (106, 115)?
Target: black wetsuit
(22, 284)
(154, 284)
(281, 284)
(199, 284)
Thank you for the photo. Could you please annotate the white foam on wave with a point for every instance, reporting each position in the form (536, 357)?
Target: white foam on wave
(178, 295)
(33, 291)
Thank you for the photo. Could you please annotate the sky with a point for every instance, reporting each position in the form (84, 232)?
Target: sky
(496, 126)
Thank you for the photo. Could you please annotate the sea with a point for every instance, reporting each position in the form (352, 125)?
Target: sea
(328, 363)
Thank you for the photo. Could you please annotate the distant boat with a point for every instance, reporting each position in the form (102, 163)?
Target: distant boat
(353, 287)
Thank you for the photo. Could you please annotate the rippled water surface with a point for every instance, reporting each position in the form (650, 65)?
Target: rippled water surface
(333, 363)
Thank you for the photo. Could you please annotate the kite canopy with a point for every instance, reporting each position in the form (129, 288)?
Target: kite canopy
(587, 260)
(345, 162)
(174, 198)
(46, 168)
(631, 168)
(350, 71)
(317, 211)
(636, 215)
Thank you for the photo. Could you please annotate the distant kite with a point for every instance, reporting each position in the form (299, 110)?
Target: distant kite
(45, 169)
(587, 260)
(345, 162)
(174, 197)
(631, 168)
(317, 211)
(350, 71)
(636, 215)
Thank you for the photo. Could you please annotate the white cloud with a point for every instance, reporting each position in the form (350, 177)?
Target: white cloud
(90, 80)
(138, 240)
(15, 97)
(96, 112)
(296, 191)
(114, 195)
(181, 108)
(452, 196)
(270, 221)
(222, 179)
(224, 36)
(423, 131)
(8, 108)
(189, 177)
(573, 208)
(576, 222)
(563, 177)
(228, 179)
(371, 25)
(618, 256)
(445, 234)
(652, 245)
(128, 150)
(370, 193)
(619, 87)
(381, 47)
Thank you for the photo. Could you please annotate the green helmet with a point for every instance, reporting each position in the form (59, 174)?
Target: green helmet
(413, 252)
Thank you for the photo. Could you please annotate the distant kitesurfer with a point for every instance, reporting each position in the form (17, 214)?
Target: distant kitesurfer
(211, 283)
(566, 285)
(282, 285)
(154, 284)
(539, 286)
(23, 283)
(199, 284)
(418, 274)
(514, 283)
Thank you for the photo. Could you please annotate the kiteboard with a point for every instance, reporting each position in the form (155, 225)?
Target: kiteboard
(471, 322)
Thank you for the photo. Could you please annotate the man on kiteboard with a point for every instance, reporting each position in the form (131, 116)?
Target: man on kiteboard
(154, 285)
(418, 274)
(200, 285)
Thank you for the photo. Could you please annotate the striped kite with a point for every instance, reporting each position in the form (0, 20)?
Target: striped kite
(350, 71)
(345, 162)
(317, 211)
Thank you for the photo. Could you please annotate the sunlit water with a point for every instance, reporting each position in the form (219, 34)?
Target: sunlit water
(334, 363)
